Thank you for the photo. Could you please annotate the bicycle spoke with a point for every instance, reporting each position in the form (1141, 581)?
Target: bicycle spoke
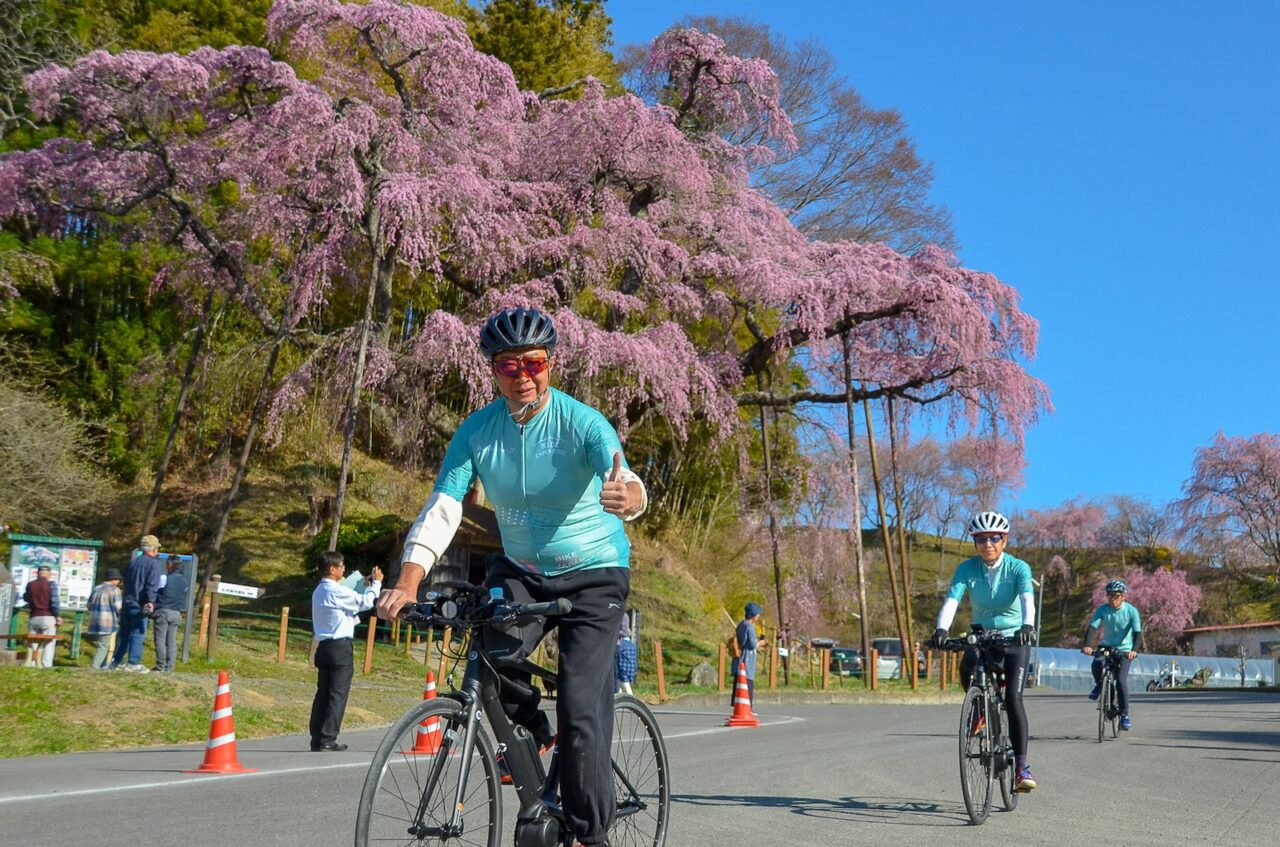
(640, 777)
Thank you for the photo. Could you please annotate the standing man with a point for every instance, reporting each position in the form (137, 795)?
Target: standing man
(141, 585)
(171, 602)
(1003, 600)
(41, 597)
(1118, 625)
(104, 617)
(333, 616)
(748, 640)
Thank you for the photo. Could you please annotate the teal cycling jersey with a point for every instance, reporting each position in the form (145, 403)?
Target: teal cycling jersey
(544, 479)
(1118, 626)
(996, 594)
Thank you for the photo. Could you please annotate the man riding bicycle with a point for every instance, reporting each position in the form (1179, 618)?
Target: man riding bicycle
(1116, 624)
(553, 468)
(1003, 601)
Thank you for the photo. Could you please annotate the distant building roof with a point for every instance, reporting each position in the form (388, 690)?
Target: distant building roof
(1258, 625)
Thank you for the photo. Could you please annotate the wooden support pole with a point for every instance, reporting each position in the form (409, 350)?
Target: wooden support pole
(875, 668)
(915, 666)
(408, 638)
(826, 668)
(773, 661)
(724, 656)
(662, 678)
(284, 635)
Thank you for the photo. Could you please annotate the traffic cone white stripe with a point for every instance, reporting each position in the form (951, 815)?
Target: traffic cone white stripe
(222, 713)
(223, 689)
(229, 738)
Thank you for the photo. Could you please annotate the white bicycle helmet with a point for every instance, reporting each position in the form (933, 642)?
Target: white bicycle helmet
(988, 522)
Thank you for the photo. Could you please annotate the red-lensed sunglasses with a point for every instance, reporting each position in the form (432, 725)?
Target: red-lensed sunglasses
(513, 367)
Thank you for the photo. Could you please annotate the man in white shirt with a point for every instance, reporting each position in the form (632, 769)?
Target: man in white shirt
(333, 619)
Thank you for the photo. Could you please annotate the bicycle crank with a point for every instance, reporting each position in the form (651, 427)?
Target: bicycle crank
(543, 832)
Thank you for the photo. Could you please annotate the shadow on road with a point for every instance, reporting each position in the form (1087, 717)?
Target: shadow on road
(891, 810)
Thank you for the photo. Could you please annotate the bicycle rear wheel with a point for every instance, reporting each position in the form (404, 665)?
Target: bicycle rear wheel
(1104, 705)
(641, 777)
(976, 760)
(1004, 761)
(400, 781)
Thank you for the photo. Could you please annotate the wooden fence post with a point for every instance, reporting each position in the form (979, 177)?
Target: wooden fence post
(826, 667)
(368, 644)
(284, 635)
(408, 638)
(211, 645)
(444, 646)
(724, 655)
(875, 668)
(204, 621)
(915, 666)
(773, 662)
(662, 678)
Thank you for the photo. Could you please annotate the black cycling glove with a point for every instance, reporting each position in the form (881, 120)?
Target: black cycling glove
(1026, 635)
(939, 639)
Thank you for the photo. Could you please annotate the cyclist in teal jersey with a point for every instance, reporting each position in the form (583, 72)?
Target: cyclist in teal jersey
(554, 471)
(1003, 600)
(1115, 624)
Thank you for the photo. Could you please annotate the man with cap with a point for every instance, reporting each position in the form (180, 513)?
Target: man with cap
(41, 597)
(141, 585)
(748, 640)
(104, 616)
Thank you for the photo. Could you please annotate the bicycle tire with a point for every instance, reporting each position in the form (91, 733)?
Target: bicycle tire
(1152, 685)
(1004, 762)
(1104, 705)
(398, 779)
(641, 777)
(1113, 713)
(976, 761)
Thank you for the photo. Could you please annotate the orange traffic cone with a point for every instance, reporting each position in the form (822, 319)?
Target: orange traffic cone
(220, 752)
(429, 733)
(742, 714)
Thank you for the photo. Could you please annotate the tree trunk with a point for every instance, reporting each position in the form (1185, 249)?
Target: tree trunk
(773, 538)
(856, 524)
(902, 537)
(884, 530)
(255, 418)
(382, 266)
(197, 347)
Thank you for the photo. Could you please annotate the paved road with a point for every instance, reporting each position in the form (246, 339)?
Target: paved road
(1198, 769)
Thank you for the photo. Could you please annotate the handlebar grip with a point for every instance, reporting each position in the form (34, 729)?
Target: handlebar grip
(559, 606)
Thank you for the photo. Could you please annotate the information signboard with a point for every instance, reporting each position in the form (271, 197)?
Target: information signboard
(74, 562)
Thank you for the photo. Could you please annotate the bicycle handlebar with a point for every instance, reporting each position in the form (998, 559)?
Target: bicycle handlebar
(980, 638)
(477, 609)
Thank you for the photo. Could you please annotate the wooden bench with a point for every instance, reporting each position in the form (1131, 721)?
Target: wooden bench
(34, 642)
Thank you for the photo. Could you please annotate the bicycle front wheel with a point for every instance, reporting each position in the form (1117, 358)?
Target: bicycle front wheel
(1113, 713)
(976, 760)
(1104, 705)
(411, 790)
(1004, 760)
(641, 777)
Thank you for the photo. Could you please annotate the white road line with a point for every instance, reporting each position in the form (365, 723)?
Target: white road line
(194, 780)
(86, 792)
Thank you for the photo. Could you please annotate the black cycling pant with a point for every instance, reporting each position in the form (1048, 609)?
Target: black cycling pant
(584, 680)
(1016, 657)
(1122, 678)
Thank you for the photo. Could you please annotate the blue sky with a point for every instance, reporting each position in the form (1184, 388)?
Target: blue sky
(1117, 163)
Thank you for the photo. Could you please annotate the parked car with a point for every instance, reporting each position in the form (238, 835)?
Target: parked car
(821, 642)
(889, 664)
(846, 661)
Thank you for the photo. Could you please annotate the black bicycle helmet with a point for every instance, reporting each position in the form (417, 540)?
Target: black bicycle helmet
(516, 329)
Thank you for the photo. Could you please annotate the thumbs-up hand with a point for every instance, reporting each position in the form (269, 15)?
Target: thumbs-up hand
(615, 498)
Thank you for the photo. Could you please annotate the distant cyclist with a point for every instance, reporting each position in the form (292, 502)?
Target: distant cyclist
(1118, 625)
(553, 468)
(1003, 601)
